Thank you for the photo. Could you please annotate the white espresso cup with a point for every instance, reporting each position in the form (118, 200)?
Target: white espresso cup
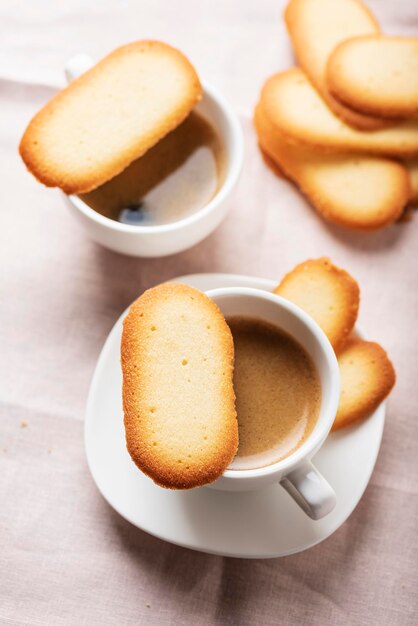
(295, 473)
(164, 239)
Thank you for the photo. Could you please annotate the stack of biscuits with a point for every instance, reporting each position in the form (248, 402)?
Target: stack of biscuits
(344, 125)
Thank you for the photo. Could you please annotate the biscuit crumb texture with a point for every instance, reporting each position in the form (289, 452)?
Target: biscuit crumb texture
(179, 404)
(327, 293)
(110, 116)
(296, 109)
(351, 190)
(366, 376)
(377, 75)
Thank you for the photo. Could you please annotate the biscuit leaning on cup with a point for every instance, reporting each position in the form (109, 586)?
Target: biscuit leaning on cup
(177, 357)
(331, 297)
(110, 116)
(327, 293)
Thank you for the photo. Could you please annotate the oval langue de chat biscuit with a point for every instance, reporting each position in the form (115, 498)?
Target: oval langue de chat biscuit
(316, 27)
(327, 293)
(110, 116)
(356, 191)
(376, 75)
(299, 113)
(179, 404)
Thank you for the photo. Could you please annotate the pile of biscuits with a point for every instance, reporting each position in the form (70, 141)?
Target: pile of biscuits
(344, 125)
(177, 356)
(332, 298)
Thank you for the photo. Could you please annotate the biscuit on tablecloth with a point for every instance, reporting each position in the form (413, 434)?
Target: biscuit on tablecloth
(179, 404)
(110, 116)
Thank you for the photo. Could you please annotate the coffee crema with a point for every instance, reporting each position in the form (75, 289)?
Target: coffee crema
(278, 393)
(175, 178)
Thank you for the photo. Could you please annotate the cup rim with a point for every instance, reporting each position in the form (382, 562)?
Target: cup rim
(316, 439)
(234, 167)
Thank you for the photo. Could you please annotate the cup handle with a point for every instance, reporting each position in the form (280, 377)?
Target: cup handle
(77, 65)
(310, 491)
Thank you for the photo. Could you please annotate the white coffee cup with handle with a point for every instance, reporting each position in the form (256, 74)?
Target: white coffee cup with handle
(296, 473)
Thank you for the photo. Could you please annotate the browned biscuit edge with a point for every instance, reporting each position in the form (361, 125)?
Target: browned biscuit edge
(158, 472)
(375, 398)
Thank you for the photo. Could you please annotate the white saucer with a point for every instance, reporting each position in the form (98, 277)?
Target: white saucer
(259, 524)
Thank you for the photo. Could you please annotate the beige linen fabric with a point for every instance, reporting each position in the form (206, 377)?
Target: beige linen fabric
(66, 557)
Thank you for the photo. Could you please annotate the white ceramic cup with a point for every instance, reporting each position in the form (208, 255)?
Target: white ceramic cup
(165, 239)
(296, 472)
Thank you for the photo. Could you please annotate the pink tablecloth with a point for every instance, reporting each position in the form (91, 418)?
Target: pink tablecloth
(66, 557)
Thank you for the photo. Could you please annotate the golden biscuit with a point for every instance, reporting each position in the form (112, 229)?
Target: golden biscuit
(298, 112)
(354, 191)
(412, 169)
(327, 293)
(376, 75)
(177, 358)
(111, 115)
(366, 377)
(316, 27)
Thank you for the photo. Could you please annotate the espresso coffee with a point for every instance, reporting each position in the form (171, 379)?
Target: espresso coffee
(278, 393)
(175, 178)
